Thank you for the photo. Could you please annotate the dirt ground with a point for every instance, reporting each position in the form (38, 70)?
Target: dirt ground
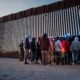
(13, 69)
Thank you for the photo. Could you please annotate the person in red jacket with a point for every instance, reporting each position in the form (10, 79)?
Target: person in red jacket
(65, 50)
(45, 44)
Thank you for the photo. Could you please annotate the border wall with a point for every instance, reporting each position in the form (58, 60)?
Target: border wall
(56, 19)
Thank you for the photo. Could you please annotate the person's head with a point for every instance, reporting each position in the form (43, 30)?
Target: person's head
(45, 35)
(33, 39)
(76, 39)
(67, 36)
(57, 38)
(22, 40)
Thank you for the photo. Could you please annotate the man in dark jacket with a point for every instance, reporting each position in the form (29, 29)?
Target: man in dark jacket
(45, 48)
(39, 56)
(27, 48)
(33, 49)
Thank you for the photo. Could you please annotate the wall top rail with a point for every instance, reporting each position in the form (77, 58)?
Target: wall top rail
(41, 9)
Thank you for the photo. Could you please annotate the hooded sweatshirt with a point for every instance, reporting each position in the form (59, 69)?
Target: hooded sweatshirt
(75, 46)
(57, 45)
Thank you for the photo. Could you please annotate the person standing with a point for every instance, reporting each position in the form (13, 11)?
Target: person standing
(58, 47)
(66, 50)
(27, 48)
(75, 48)
(51, 49)
(45, 48)
(33, 49)
(39, 56)
(21, 55)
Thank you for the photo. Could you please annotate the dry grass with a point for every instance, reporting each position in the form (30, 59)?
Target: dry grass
(12, 54)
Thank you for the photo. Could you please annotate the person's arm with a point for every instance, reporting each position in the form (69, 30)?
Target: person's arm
(60, 45)
(71, 47)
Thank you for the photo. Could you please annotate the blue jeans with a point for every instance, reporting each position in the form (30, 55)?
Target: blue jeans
(33, 55)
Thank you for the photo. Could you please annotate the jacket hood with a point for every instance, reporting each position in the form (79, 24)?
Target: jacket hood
(76, 39)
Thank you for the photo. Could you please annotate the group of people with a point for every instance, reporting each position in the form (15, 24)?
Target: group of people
(49, 51)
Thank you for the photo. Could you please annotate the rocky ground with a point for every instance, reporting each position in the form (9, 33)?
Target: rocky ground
(13, 69)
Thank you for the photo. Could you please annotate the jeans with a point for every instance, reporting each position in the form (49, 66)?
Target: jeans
(75, 57)
(33, 55)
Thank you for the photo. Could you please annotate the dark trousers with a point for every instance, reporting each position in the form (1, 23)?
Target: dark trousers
(38, 56)
(58, 57)
(33, 56)
(67, 59)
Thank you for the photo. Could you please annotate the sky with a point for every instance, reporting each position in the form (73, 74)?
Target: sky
(14, 6)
